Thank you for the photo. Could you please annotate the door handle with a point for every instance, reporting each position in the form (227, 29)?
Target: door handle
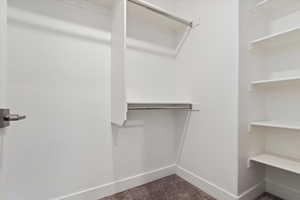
(6, 117)
(14, 117)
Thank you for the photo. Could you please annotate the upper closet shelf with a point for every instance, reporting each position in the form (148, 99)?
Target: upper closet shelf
(278, 162)
(161, 105)
(163, 12)
(262, 3)
(274, 5)
(275, 81)
(279, 38)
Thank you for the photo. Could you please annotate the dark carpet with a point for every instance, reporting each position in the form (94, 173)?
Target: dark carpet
(170, 188)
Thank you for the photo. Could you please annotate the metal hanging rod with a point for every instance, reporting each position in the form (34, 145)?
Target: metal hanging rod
(162, 108)
(161, 12)
(187, 107)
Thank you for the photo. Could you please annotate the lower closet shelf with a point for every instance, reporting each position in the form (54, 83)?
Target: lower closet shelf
(275, 81)
(277, 124)
(278, 162)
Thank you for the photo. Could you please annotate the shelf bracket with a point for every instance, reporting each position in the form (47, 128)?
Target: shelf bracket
(249, 163)
(183, 40)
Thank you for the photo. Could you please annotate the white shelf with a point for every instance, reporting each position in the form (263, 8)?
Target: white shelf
(278, 162)
(279, 38)
(277, 124)
(275, 81)
(262, 3)
(275, 5)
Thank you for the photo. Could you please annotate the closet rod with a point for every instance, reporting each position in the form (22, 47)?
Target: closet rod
(161, 12)
(160, 108)
(145, 109)
(187, 107)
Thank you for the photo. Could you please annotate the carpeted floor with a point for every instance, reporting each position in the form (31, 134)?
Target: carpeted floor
(267, 196)
(170, 188)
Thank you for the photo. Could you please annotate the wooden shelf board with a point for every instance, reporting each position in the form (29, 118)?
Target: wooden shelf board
(275, 81)
(277, 124)
(278, 162)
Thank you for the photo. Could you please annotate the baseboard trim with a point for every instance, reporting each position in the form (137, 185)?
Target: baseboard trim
(216, 191)
(205, 185)
(282, 191)
(101, 191)
(254, 192)
(144, 178)
(212, 189)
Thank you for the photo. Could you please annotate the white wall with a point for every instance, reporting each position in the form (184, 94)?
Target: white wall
(66, 145)
(65, 78)
(3, 62)
(151, 75)
(207, 71)
(251, 107)
(61, 83)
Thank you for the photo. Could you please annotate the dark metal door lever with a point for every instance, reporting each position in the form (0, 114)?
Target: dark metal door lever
(14, 117)
(6, 117)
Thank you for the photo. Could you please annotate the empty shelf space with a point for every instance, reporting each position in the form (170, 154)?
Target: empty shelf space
(278, 162)
(279, 38)
(277, 124)
(162, 12)
(147, 105)
(275, 81)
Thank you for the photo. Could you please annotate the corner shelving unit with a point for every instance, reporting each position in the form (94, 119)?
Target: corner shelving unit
(120, 104)
(283, 17)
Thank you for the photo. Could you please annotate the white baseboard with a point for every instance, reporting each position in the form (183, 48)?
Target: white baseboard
(282, 191)
(205, 185)
(143, 178)
(253, 192)
(216, 191)
(101, 191)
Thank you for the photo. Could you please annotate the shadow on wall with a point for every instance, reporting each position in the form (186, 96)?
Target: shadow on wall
(149, 140)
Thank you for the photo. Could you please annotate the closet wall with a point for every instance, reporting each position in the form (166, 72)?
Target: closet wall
(250, 104)
(60, 71)
(208, 72)
(59, 63)
(274, 63)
